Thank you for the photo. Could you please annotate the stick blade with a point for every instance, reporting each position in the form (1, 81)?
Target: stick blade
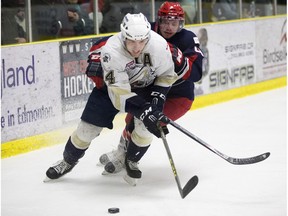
(191, 184)
(251, 160)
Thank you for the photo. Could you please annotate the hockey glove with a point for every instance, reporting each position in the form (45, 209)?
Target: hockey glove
(151, 116)
(94, 70)
(158, 96)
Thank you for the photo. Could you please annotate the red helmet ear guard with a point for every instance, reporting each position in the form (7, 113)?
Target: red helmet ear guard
(172, 10)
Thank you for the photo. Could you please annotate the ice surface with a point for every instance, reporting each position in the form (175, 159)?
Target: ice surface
(239, 128)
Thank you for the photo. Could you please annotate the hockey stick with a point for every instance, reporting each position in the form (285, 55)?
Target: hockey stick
(232, 160)
(191, 184)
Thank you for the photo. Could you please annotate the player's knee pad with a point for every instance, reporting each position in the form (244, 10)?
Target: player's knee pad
(84, 134)
(140, 135)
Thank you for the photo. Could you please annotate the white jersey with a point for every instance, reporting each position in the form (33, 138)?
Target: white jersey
(122, 73)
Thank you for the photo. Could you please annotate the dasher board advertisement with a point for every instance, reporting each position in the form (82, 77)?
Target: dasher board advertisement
(30, 90)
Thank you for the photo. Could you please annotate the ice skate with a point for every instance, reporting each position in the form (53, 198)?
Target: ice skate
(114, 160)
(58, 170)
(133, 172)
(114, 166)
(115, 155)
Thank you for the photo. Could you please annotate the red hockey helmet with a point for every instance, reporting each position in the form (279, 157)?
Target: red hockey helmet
(172, 10)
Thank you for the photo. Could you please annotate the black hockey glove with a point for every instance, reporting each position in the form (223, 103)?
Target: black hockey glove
(94, 70)
(151, 116)
(158, 96)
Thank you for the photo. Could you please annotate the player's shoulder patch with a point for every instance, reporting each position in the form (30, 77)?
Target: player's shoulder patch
(196, 40)
(106, 57)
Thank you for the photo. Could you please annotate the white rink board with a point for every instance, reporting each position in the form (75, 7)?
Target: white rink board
(31, 103)
(236, 53)
(271, 48)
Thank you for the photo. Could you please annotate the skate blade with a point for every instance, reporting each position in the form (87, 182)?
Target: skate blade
(100, 164)
(130, 181)
(46, 179)
(106, 173)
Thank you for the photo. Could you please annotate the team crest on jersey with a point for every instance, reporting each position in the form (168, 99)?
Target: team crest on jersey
(106, 57)
(141, 76)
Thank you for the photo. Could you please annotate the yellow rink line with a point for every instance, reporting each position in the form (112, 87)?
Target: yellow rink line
(28, 144)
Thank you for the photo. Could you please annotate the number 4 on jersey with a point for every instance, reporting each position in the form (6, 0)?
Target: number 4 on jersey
(110, 78)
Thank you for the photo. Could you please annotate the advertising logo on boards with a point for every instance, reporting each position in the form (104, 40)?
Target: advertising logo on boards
(75, 85)
(274, 57)
(14, 76)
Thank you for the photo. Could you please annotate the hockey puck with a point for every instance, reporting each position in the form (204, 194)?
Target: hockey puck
(113, 210)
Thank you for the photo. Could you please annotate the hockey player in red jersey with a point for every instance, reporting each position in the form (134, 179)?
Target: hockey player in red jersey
(138, 71)
(187, 57)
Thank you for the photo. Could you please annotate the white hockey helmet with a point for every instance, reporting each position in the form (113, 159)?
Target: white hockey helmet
(135, 27)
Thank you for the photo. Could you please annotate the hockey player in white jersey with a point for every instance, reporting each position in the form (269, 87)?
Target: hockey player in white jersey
(187, 57)
(137, 71)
